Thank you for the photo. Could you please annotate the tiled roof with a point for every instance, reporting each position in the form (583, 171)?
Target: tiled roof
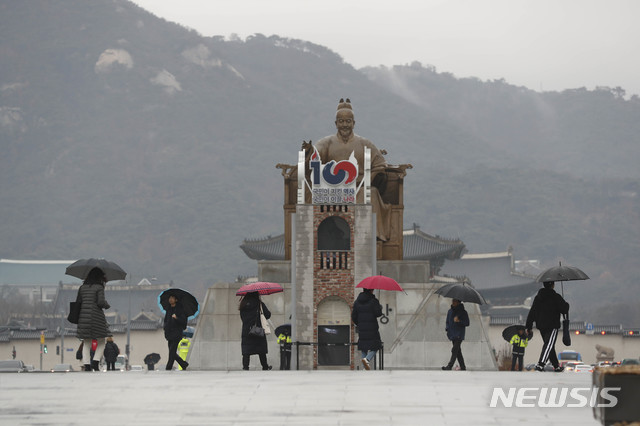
(269, 248)
(417, 246)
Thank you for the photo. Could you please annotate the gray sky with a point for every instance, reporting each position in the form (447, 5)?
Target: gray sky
(540, 44)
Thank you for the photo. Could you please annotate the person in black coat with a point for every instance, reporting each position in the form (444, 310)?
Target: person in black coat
(111, 352)
(545, 311)
(92, 323)
(249, 308)
(457, 321)
(365, 313)
(175, 320)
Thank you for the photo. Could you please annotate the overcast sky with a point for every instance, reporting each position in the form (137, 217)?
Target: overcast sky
(540, 44)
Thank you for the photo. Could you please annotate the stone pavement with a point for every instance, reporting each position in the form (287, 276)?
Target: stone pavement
(390, 397)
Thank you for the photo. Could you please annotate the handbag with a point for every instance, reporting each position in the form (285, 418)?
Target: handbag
(256, 331)
(264, 323)
(566, 335)
(74, 312)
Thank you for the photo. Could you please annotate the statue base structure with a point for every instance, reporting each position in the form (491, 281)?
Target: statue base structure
(322, 285)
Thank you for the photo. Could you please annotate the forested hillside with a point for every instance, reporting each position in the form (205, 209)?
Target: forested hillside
(128, 137)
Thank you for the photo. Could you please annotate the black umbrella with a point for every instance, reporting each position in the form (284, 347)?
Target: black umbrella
(283, 329)
(152, 358)
(562, 273)
(509, 331)
(461, 291)
(187, 300)
(80, 269)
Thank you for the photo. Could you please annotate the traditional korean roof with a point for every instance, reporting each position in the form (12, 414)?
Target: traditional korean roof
(268, 248)
(417, 246)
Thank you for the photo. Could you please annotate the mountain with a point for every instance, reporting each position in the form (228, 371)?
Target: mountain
(132, 138)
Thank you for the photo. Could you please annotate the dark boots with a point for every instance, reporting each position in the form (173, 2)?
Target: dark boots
(94, 366)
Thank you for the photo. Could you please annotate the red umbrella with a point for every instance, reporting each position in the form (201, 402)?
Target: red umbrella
(380, 282)
(261, 287)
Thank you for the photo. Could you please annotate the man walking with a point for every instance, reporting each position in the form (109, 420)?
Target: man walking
(457, 321)
(545, 312)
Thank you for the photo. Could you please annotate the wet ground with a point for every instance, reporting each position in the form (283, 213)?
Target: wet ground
(286, 398)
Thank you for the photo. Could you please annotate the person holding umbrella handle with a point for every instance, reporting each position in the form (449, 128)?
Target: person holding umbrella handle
(175, 320)
(545, 312)
(456, 322)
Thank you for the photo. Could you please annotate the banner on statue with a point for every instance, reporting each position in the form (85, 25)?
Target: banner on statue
(334, 182)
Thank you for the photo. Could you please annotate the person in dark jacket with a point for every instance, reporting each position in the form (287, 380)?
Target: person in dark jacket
(545, 311)
(175, 320)
(457, 321)
(365, 313)
(111, 352)
(250, 305)
(92, 323)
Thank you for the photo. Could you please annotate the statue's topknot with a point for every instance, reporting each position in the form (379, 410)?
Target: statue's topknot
(344, 104)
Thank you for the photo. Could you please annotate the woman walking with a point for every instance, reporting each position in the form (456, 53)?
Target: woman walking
(250, 307)
(366, 310)
(92, 323)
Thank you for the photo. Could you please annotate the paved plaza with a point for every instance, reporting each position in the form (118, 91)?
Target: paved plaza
(390, 397)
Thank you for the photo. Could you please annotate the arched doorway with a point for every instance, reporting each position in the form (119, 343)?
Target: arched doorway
(334, 329)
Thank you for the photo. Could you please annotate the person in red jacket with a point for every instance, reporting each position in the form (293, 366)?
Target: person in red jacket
(545, 311)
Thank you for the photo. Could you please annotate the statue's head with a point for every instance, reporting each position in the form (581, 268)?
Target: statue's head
(345, 120)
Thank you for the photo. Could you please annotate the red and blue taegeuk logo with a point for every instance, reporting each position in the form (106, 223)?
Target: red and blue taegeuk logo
(343, 172)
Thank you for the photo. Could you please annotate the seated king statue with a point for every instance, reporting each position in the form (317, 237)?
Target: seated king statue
(340, 146)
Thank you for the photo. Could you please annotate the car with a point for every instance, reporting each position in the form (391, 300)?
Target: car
(583, 368)
(571, 365)
(630, 361)
(136, 368)
(603, 364)
(567, 356)
(29, 368)
(62, 368)
(121, 363)
(12, 366)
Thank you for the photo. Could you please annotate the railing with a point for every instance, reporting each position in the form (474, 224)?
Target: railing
(334, 259)
(378, 361)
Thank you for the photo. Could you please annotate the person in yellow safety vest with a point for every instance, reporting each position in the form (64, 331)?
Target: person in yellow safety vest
(519, 341)
(284, 340)
(183, 348)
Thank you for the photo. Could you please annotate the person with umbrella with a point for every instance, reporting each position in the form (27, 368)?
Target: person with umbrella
(92, 323)
(151, 360)
(545, 311)
(250, 308)
(456, 323)
(365, 314)
(175, 320)
(518, 342)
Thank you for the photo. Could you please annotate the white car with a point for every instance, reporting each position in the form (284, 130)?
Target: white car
(583, 368)
(571, 365)
(136, 368)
